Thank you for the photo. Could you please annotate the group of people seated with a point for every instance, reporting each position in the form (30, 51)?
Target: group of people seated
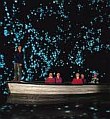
(52, 80)
(79, 79)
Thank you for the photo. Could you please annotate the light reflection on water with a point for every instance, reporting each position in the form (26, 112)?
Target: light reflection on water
(98, 109)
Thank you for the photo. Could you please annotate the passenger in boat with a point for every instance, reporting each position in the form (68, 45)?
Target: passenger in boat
(50, 79)
(83, 79)
(18, 62)
(77, 79)
(58, 79)
(94, 79)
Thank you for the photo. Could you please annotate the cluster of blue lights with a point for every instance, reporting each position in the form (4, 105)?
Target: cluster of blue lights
(2, 63)
(3, 88)
(55, 34)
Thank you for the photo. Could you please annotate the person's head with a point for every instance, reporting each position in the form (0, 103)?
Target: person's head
(58, 74)
(77, 75)
(50, 75)
(19, 48)
(82, 76)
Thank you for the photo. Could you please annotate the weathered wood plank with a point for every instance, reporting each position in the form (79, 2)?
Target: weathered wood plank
(56, 89)
(32, 93)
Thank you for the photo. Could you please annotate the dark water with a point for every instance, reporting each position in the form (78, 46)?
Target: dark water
(80, 108)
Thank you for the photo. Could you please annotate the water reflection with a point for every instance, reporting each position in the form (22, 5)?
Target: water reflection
(98, 109)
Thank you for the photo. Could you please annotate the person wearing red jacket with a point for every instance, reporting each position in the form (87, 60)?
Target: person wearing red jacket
(58, 79)
(77, 79)
(50, 79)
(83, 78)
